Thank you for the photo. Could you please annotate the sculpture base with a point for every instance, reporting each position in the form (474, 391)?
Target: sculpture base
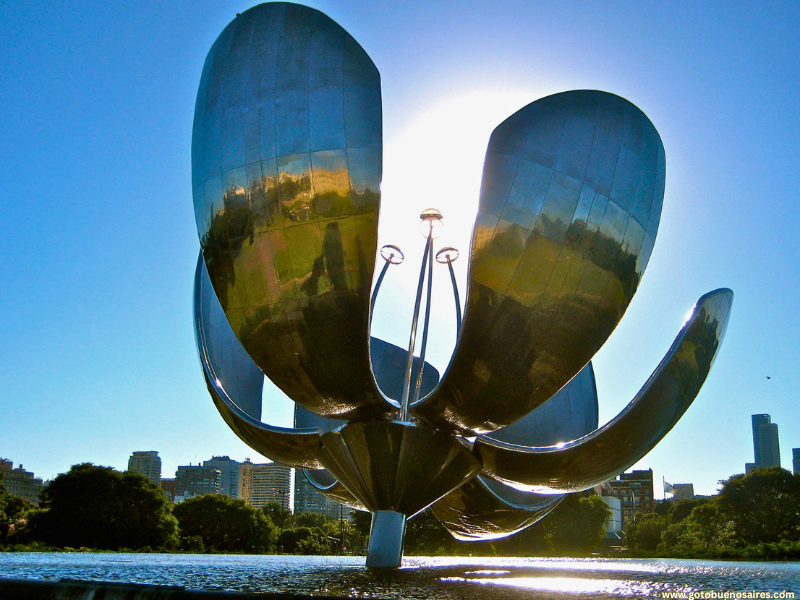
(386, 539)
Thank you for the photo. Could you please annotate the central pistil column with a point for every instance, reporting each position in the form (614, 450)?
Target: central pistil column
(395, 469)
(386, 537)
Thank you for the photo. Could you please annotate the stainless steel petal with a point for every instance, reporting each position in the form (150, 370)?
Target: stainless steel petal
(569, 209)
(485, 509)
(388, 363)
(391, 465)
(474, 512)
(286, 168)
(235, 383)
(610, 450)
(326, 484)
(571, 413)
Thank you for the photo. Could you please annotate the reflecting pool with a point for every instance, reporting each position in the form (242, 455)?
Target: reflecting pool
(420, 577)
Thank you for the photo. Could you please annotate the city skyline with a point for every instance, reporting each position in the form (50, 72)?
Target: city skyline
(99, 253)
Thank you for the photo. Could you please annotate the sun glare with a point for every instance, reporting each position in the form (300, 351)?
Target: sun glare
(436, 162)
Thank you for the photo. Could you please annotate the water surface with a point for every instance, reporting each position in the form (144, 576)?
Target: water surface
(421, 577)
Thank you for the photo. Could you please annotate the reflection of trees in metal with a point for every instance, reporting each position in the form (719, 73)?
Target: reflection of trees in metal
(286, 164)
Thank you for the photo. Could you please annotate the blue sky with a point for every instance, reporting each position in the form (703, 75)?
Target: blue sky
(97, 356)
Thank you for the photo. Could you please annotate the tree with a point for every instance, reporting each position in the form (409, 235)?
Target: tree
(310, 519)
(644, 531)
(577, 523)
(362, 521)
(764, 505)
(663, 507)
(14, 514)
(341, 534)
(426, 536)
(98, 507)
(226, 524)
(280, 516)
(305, 540)
(682, 509)
(704, 530)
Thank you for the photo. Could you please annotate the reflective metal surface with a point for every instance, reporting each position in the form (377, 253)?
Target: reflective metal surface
(320, 479)
(569, 209)
(286, 171)
(387, 531)
(326, 484)
(396, 466)
(610, 450)
(571, 413)
(474, 513)
(388, 363)
(286, 167)
(485, 509)
(235, 382)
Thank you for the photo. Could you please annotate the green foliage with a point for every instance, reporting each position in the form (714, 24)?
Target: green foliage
(703, 530)
(192, 543)
(361, 521)
(306, 540)
(682, 509)
(225, 524)
(754, 517)
(280, 516)
(577, 524)
(528, 542)
(663, 507)
(341, 535)
(426, 536)
(764, 506)
(14, 515)
(644, 532)
(98, 507)
(310, 519)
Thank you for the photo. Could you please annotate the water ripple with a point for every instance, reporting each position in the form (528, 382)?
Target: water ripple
(421, 577)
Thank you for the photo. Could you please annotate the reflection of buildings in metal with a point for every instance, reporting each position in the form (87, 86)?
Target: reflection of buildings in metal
(286, 165)
(569, 208)
(288, 96)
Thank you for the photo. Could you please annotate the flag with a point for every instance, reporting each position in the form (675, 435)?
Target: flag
(669, 488)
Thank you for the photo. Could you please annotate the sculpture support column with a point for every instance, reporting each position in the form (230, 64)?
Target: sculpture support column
(386, 539)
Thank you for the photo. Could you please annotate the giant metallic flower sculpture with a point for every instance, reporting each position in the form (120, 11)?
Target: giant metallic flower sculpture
(286, 170)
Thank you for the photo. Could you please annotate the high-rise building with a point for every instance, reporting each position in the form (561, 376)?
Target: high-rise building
(635, 491)
(766, 447)
(196, 481)
(260, 484)
(796, 461)
(308, 499)
(146, 463)
(19, 482)
(230, 474)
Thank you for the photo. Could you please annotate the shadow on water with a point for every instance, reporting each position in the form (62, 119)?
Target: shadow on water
(421, 577)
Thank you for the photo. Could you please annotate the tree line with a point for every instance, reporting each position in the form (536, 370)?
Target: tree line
(99, 508)
(754, 516)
